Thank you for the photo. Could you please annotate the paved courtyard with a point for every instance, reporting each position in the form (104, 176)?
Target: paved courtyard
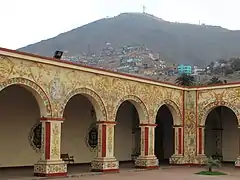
(179, 173)
(164, 173)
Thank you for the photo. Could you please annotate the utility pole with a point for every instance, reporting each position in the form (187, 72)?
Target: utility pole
(89, 50)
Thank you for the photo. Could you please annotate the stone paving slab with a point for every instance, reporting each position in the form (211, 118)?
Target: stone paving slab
(165, 173)
(75, 175)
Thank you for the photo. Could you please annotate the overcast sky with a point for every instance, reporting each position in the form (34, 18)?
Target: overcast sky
(28, 21)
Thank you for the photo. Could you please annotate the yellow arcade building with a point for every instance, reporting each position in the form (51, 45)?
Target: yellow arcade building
(53, 111)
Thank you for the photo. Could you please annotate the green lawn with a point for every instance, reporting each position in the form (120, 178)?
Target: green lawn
(213, 173)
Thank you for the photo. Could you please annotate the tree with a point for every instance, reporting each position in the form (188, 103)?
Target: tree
(215, 80)
(235, 63)
(213, 163)
(211, 65)
(185, 80)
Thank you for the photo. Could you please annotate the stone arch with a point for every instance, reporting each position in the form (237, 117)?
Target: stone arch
(202, 117)
(93, 97)
(174, 109)
(35, 89)
(138, 104)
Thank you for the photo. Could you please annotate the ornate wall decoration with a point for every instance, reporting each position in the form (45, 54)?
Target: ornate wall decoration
(6, 68)
(93, 97)
(45, 106)
(92, 137)
(139, 105)
(190, 137)
(176, 112)
(56, 89)
(51, 82)
(110, 138)
(37, 71)
(35, 137)
(55, 151)
(210, 99)
(203, 113)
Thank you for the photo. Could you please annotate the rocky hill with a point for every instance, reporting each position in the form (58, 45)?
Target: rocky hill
(176, 42)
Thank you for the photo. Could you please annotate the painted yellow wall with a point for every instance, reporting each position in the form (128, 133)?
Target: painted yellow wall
(58, 80)
(19, 112)
(55, 81)
(15, 128)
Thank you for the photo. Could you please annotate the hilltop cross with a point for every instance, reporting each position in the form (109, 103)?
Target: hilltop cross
(144, 8)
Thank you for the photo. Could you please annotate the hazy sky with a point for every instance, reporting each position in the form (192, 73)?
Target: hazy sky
(28, 21)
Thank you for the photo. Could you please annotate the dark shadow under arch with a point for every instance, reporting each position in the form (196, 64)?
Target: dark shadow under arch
(127, 133)
(164, 135)
(138, 104)
(20, 113)
(38, 93)
(222, 134)
(80, 130)
(93, 97)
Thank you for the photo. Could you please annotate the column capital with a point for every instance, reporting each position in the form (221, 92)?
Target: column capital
(107, 122)
(177, 126)
(48, 119)
(148, 125)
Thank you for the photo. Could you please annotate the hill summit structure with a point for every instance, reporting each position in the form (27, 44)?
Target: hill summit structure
(54, 112)
(176, 42)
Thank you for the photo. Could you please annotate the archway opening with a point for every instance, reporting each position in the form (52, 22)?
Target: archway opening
(164, 135)
(127, 134)
(222, 134)
(80, 131)
(20, 129)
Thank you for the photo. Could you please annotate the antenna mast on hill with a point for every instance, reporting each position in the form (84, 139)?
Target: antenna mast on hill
(144, 9)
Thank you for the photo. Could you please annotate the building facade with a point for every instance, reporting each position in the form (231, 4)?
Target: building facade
(50, 107)
(184, 69)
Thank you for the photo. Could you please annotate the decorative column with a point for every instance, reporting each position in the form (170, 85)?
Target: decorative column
(178, 145)
(50, 163)
(200, 140)
(147, 158)
(105, 160)
(237, 162)
(202, 158)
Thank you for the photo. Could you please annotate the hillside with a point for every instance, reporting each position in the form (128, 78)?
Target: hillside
(176, 42)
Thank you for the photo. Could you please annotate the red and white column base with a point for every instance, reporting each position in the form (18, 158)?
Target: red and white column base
(105, 160)
(237, 162)
(177, 157)
(147, 162)
(147, 159)
(50, 168)
(201, 158)
(50, 163)
(105, 165)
